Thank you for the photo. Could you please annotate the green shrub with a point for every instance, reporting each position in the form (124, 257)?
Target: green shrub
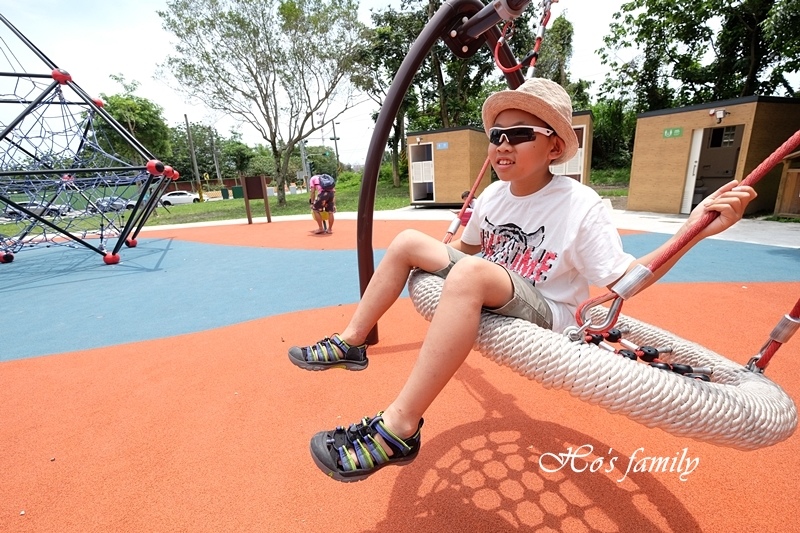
(611, 176)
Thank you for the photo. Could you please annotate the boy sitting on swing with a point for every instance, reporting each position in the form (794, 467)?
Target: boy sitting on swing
(544, 239)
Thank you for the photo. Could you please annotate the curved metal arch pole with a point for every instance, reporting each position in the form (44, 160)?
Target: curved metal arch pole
(445, 18)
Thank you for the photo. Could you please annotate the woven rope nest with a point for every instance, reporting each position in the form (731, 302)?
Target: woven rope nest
(738, 408)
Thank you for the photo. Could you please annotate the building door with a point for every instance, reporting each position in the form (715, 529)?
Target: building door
(691, 171)
(574, 167)
(788, 202)
(422, 175)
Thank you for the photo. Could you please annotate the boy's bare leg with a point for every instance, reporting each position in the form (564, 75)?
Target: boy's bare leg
(473, 283)
(409, 249)
(330, 221)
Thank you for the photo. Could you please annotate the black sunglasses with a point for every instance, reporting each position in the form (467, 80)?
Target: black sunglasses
(517, 134)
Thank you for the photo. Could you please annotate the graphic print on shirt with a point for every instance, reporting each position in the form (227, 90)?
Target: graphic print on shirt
(518, 251)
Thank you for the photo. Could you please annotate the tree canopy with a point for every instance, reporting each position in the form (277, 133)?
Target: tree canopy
(278, 65)
(138, 116)
(553, 62)
(693, 52)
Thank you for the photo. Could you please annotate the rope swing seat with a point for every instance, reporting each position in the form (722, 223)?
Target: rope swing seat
(684, 388)
(738, 408)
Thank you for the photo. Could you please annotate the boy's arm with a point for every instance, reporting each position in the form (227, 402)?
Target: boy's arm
(729, 201)
(469, 249)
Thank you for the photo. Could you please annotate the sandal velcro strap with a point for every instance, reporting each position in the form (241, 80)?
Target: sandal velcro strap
(330, 352)
(353, 453)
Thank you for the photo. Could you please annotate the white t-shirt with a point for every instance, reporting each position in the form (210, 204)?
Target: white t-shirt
(561, 238)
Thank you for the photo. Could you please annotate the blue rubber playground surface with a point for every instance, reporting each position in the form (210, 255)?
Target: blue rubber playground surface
(62, 299)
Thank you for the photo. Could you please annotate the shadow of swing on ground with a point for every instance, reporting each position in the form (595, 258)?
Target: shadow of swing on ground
(486, 476)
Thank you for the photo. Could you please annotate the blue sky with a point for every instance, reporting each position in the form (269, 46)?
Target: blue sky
(93, 39)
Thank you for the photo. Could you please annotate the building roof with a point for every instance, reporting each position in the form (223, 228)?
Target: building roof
(443, 130)
(719, 103)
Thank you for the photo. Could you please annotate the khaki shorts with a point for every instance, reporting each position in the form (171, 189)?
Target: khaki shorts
(527, 302)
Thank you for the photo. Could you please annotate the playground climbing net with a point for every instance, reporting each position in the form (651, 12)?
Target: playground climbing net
(69, 173)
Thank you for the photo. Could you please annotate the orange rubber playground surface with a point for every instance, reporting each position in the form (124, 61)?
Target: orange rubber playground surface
(156, 396)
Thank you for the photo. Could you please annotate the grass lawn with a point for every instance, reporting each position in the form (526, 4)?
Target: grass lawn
(386, 197)
(606, 182)
(618, 177)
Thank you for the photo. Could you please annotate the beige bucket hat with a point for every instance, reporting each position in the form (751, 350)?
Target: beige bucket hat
(544, 98)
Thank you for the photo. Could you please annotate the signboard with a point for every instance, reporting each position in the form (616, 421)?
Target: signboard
(442, 146)
(669, 133)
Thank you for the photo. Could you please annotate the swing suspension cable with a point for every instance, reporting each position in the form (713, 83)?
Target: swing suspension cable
(780, 334)
(531, 59)
(457, 221)
(639, 276)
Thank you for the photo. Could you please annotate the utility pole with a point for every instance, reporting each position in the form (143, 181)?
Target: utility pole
(321, 133)
(335, 140)
(214, 154)
(304, 159)
(194, 158)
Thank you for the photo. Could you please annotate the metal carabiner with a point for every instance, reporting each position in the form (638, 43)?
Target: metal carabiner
(575, 333)
(751, 364)
(608, 322)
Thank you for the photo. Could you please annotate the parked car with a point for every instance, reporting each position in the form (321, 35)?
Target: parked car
(10, 212)
(112, 203)
(179, 197)
(38, 208)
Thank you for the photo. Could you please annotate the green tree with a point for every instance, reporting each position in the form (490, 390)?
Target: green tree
(694, 52)
(182, 156)
(781, 31)
(553, 62)
(138, 116)
(235, 157)
(261, 163)
(274, 64)
(556, 51)
(388, 43)
(614, 128)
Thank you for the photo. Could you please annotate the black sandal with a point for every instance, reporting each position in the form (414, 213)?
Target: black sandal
(323, 355)
(332, 453)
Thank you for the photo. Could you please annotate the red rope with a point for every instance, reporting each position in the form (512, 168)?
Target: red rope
(537, 44)
(497, 46)
(449, 235)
